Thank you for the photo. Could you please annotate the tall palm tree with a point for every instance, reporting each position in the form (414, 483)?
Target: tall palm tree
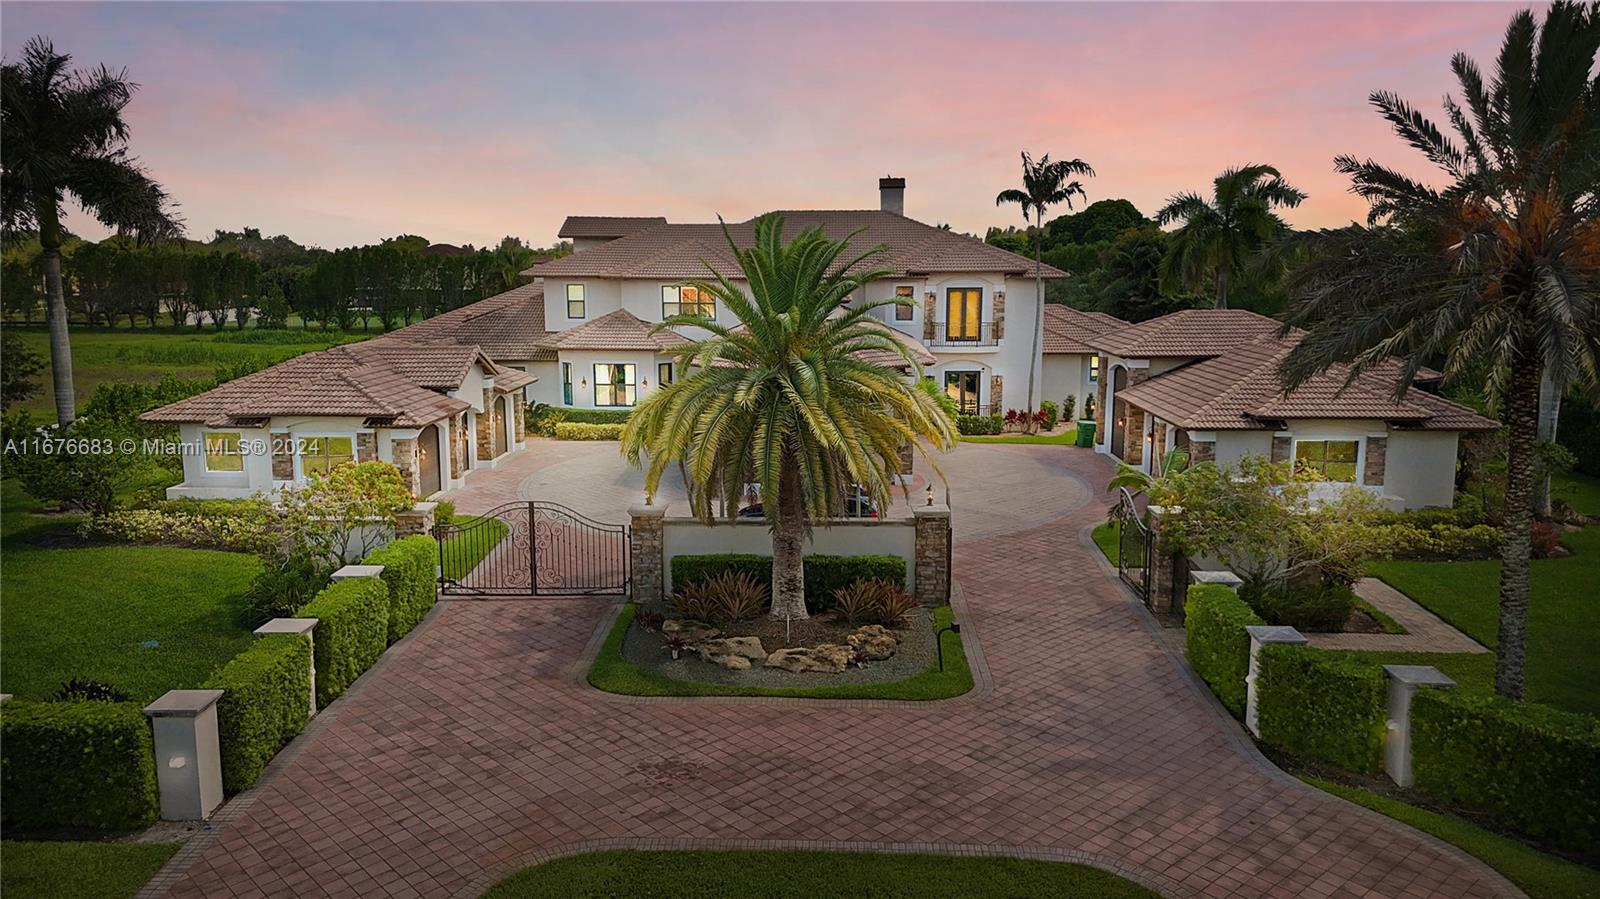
(784, 399)
(1045, 183)
(1497, 274)
(1219, 235)
(64, 134)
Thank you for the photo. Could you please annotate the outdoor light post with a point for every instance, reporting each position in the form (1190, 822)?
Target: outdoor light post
(938, 639)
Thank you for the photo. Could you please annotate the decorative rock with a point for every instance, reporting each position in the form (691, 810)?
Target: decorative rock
(733, 663)
(689, 629)
(745, 649)
(829, 658)
(874, 641)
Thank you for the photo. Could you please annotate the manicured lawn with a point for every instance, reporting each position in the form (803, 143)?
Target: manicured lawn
(615, 674)
(79, 870)
(145, 619)
(1470, 670)
(462, 552)
(1538, 874)
(1065, 438)
(1580, 491)
(1563, 619)
(806, 875)
(1106, 536)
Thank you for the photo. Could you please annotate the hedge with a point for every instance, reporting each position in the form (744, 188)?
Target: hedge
(265, 702)
(1052, 414)
(1214, 622)
(597, 416)
(408, 566)
(571, 430)
(824, 573)
(980, 424)
(352, 631)
(1532, 768)
(1322, 706)
(77, 764)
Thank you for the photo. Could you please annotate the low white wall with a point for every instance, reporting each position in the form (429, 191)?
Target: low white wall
(686, 536)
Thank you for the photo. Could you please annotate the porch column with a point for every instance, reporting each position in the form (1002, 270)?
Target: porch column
(647, 552)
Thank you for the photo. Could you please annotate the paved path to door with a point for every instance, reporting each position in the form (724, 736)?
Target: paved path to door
(473, 750)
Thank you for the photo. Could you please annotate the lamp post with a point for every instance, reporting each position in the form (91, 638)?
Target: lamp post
(938, 639)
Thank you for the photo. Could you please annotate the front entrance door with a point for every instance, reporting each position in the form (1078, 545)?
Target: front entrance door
(428, 459)
(1119, 412)
(962, 386)
(502, 435)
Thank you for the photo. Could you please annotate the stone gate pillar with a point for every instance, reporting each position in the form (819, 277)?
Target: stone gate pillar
(931, 569)
(647, 552)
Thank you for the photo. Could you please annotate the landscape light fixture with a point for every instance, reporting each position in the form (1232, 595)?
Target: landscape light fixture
(938, 639)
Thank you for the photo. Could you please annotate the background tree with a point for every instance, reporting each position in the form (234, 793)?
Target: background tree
(65, 134)
(1045, 183)
(20, 368)
(1497, 274)
(1219, 235)
(783, 400)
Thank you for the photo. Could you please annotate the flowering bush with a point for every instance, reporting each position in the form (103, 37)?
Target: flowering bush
(239, 534)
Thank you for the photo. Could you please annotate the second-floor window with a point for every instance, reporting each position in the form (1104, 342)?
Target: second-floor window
(1094, 369)
(963, 313)
(687, 301)
(614, 385)
(663, 374)
(575, 304)
(905, 299)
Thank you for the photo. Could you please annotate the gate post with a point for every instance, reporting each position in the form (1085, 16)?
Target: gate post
(931, 571)
(1166, 583)
(647, 552)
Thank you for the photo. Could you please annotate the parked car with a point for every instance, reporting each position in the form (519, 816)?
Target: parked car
(856, 504)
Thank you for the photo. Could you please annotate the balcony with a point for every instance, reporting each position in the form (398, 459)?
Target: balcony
(946, 334)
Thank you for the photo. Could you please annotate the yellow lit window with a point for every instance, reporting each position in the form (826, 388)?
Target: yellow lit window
(687, 301)
(223, 451)
(1335, 459)
(904, 303)
(319, 455)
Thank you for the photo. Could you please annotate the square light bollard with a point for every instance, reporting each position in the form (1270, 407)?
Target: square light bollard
(305, 627)
(1263, 635)
(1404, 681)
(188, 753)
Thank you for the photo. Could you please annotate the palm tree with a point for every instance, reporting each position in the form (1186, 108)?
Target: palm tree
(1219, 235)
(1497, 274)
(1044, 184)
(64, 134)
(784, 399)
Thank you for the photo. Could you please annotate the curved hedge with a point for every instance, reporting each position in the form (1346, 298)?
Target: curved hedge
(77, 764)
(1216, 643)
(824, 573)
(265, 702)
(1533, 768)
(1322, 706)
(408, 566)
(352, 631)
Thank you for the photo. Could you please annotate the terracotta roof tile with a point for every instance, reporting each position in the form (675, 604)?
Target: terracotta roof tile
(508, 326)
(607, 225)
(619, 330)
(1068, 330)
(1190, 332)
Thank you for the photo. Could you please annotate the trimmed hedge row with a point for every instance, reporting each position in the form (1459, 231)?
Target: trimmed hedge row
(1216, 643)
(77, 764)
(408, 566)
(264, 704)
(1531, 767)
(1322, 706)
(572, 430)
(352, 631)
(824, 573)
(597, 416)
(975, 425)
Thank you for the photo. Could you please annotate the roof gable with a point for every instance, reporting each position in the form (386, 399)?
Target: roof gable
(1069, 330)
(1186, 333)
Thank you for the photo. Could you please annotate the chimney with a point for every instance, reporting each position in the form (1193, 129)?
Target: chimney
(892, 195)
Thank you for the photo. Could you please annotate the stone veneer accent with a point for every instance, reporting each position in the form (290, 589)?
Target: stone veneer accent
(405, 459)
(458, 444)
(419, 519)
(1202, 451)
(999, 314)
(1377, 461)
(647, 548)
(1281, 445)
(282, 457)
(519, 412)
(927, 319)
(1158, 446)
(1133, 436)
(486, 426)
(997, 393)
(1100, 402)
(1168, 590)
(366, 446)
(931, 569)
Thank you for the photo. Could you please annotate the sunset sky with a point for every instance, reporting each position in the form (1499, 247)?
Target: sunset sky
(345, 123)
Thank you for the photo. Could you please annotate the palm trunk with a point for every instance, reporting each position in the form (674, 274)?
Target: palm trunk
(1522, 414)
(1222, 287)
(56, 313)
(1549, 417)
(1035, 348)
(788, 549)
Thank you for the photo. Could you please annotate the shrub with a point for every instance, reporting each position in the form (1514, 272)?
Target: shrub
(1069, 405)
(282, 587)
(1323, 608)
(571, 430)
(265, 702)
(238, 533)
(408, 566)
(444, 512)
(1216, 643)
(1051, 414)
(722, 598)
(84, 690)
(1531, 767)
(825, 574)
(1546, 538)
(542, 418)
(1322, 706)
(974, 425)
(352, 631)
(1438, 541)
(76, 764)
(597, 416)
(873, 601)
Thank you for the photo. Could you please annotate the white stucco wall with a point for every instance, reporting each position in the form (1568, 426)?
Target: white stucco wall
(1235, 445)
(1067, 374)
(892, 537)
(584, 361)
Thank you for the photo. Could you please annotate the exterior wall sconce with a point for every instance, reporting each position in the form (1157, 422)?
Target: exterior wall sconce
(1000, 294)
(583, 382)
(645, 383)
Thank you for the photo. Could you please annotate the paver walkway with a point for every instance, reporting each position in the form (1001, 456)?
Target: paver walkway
(472, 751)
(1425, 631)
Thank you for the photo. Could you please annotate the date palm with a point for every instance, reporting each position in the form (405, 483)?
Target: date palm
(65, 134)
(785, 399)
(1220, 235)
(1045, 183)
(1497, 273)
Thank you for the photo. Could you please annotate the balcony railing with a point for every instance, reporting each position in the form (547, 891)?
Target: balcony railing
(964, 334)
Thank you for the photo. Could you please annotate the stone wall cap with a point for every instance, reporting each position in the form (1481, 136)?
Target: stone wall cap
(354, 571)
(937, 510)
(1274, 633)
(1419, 675)
(1221, 576)
(286, 626)
(182, 703)
(643, 511)
(425, 507)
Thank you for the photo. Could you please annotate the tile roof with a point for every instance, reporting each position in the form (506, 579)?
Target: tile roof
(1239, 390)
(508, 326)
(1068, 330)
(607, 225)
(619, 330)
(676, 252)
(1189, 332)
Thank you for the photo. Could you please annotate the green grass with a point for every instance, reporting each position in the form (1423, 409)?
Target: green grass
(615, 674)
(462, 552)
(1539, 875)
(79, 870)
(1470, 670)
(805, 875)
(1580, 491)
(90, 612)
(1065, 438)
(1384, 621)
(1563, 620)
(1106, 536)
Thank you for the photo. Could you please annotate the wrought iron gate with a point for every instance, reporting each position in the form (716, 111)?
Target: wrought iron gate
(533, 549)
(1133, 546)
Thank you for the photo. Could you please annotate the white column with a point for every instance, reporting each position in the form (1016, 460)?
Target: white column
(304, 627)
(1404, 680)
(188, 753)
(1263, 635)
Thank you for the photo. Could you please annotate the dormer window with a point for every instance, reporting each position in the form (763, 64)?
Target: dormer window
(686, 301)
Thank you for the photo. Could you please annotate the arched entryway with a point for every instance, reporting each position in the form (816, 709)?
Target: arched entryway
(502, 431)
(428, 460)
(1119, 411)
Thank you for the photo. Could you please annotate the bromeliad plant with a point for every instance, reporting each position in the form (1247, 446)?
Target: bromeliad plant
(785, 400)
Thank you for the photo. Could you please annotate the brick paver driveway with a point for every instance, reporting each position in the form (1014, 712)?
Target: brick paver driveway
(473, 749)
